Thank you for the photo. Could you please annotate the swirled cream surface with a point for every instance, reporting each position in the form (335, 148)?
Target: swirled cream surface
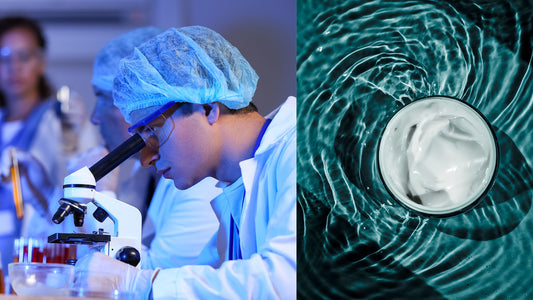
(437, 155)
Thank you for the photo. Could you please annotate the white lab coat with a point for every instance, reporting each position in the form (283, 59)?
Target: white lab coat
(267, 227)
(45, 146)
(179, 224)
(51, 148)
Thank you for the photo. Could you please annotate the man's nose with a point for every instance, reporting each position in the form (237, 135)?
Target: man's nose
(149, 156)
(95, 117)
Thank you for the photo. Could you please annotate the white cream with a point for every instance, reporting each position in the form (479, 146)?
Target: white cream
(437, 155)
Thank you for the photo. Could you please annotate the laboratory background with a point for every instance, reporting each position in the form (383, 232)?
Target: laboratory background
(75, 32)
(265, 33)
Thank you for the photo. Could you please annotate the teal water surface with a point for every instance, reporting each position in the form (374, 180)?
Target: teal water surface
(358, 63)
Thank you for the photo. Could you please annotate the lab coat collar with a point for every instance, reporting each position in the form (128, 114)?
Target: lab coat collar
(283, 122)
(233, 195)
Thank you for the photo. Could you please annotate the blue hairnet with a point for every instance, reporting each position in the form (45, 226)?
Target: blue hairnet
(106, 63)
(189, 64)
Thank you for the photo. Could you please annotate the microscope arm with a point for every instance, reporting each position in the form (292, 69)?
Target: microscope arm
(127, 221)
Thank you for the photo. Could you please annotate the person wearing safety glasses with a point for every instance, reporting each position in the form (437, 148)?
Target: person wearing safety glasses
(178, 223)
(188, 93)
(40, 129)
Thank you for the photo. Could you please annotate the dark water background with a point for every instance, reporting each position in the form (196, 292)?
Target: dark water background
(358, 62)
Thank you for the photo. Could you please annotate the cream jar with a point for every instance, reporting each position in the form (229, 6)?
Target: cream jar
(438, 156)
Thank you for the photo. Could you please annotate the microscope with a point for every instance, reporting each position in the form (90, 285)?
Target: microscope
(79, 193)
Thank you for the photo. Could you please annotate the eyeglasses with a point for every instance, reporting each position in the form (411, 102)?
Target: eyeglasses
(153, 135)
(7, 55)
(156, 136)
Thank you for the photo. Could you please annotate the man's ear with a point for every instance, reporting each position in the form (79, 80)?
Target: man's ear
(212, 112)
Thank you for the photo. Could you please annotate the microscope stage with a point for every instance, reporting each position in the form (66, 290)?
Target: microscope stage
(79, 238)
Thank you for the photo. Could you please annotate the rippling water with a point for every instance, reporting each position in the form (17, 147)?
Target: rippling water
(358, 63)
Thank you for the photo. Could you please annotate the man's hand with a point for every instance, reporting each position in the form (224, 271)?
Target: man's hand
(99, 272)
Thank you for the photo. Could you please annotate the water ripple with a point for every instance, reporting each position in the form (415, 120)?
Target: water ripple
(358, 63)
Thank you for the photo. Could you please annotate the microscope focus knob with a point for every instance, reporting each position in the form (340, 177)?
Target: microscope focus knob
(129, 255)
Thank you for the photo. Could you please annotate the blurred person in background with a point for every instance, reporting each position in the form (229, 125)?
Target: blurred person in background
(179, 223)
(35, 127)
(188, 93)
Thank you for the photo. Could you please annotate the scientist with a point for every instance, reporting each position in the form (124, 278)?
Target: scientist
(176, 230)
(34, 129)
(188, 93)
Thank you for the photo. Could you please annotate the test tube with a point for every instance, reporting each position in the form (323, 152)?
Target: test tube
(17, 191)
(29, 250)
(2, 283)
(16, 250)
